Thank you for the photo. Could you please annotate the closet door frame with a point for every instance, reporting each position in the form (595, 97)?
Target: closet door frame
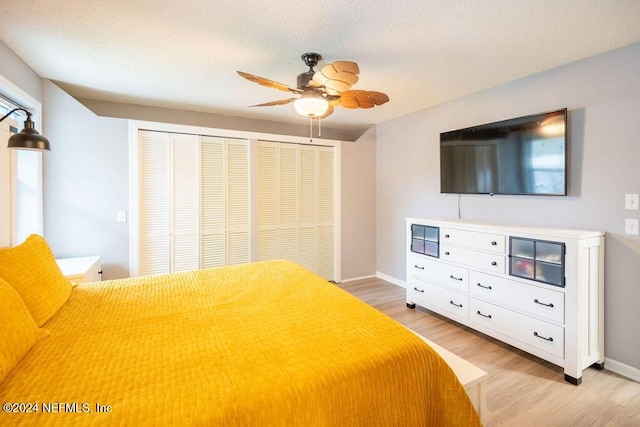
(134, 182)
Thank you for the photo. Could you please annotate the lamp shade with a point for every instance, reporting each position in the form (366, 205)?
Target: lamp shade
(311, 106)
(28, 138)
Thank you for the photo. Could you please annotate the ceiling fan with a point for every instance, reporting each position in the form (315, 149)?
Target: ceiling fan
(321, 91)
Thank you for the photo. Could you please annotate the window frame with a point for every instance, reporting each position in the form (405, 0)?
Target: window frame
(18, 96)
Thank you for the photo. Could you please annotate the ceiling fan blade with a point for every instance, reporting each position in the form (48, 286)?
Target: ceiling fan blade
(268, 83)
(362, 99)
(280, 102)
(337, 77)
(348, 66)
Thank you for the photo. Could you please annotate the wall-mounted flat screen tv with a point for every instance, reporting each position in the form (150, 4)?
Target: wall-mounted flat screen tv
(524, 155)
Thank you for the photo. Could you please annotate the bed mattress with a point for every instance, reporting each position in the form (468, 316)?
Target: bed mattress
(266, 343)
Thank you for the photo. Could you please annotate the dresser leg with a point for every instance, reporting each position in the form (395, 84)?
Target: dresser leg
(574, 381)
(598, 365)
(411, 306)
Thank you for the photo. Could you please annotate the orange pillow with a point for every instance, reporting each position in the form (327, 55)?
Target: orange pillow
(18, 332)
(31, 269)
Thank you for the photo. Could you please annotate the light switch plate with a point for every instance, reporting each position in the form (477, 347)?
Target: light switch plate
(631, 201)
(122, 216)
(631, 226)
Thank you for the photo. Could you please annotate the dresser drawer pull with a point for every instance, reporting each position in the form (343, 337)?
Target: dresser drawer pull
(494, 243)
(457, 305)
(480, 285)
(447, 253)
(541, 303)
(419, 290)
(459, 279)
(488, 316)
(418, 267)
(493, 263)
(550, 339)
(446, 236)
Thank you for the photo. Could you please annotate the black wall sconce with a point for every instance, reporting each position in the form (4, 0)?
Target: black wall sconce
(28, 138)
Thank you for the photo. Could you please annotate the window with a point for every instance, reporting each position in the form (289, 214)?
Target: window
(20, 176)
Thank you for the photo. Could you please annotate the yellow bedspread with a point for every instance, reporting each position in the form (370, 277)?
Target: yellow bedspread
(260, 344)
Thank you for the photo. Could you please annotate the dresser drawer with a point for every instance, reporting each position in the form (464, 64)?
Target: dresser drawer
(438, 296)
(484, 260)
(544, 303)
(474, 239)
(536, 333)
(441, 273)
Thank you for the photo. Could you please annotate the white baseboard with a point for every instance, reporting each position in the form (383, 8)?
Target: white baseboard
(390, 279)
(357, 278)
(622, 369)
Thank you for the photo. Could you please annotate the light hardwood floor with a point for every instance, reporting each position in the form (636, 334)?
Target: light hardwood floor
(523, 390)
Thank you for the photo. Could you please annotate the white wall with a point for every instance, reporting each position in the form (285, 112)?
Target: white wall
(603, 98)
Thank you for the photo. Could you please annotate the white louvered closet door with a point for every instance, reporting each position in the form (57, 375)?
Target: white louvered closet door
(225, 201)
(154, 155)
(308, 223)
(326, 212)
(185, 189)
(237, 162)
(288, 202)
(213, 201)
(268, 173)
(193, 202)
(296, 205)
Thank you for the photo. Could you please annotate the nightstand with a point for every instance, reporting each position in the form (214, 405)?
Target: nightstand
(82, 269)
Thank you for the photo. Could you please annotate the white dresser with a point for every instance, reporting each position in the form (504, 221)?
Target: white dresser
(538, 289)
(81, 269)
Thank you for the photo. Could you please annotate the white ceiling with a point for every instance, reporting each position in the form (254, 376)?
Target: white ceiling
(184, 54)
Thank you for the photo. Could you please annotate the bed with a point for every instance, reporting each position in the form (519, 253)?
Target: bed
(266, 343)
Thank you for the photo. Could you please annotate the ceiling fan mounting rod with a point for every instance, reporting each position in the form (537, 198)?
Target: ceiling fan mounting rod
(311, 59)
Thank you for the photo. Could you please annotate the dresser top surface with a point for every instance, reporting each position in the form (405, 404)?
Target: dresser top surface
(520, 229)
(76, 265)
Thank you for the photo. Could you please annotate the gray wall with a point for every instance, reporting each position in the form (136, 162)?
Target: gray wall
(86, 178)
(86, 181)
(603, 97)
(217, 121)
(20, 74)
(358, 202)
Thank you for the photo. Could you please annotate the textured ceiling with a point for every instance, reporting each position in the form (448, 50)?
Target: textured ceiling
(184, 54)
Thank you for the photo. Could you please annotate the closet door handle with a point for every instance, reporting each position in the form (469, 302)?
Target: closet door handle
(480, 285)
(550, 339)
(541, 303)
(488, 316)
(457, 305)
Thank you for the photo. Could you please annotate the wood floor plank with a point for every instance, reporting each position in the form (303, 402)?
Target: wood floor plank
(523, 390)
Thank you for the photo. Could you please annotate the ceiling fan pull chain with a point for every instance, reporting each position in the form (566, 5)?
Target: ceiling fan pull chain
(319, 126)
(310, 129)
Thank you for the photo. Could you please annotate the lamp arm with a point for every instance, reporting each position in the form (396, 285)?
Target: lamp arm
(13, 111)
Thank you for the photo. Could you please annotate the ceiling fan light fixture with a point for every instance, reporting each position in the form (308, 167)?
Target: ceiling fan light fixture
(311, 106)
